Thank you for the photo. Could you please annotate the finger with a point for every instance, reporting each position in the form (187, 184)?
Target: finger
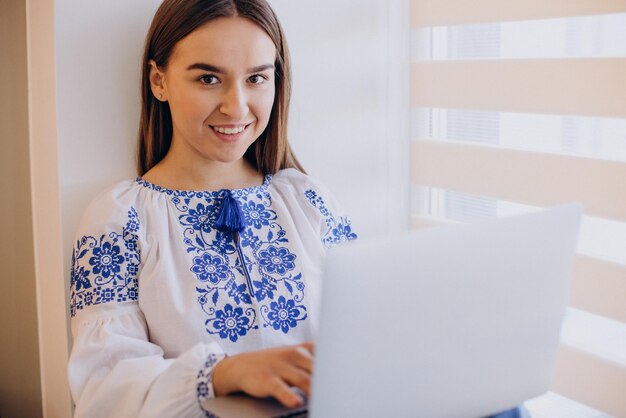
(298, 378)
(309, 346)
(281, 391)
(302, 358)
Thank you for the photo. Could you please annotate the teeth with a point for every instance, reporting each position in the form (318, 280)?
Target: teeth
(229, 131)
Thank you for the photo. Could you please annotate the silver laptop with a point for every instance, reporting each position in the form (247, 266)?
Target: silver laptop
(459, 321)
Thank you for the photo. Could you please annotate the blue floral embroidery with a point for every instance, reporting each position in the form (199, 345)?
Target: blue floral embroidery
(249, 239)
(200, 218)
(282, 315)
(256, 215)
(337, 229)
(265, 288)
(80, 278)
(204, 387)
(237, 280)
(131, 246)
(277, 260)
(202, 194)
(208, 267)
(343, 232)
(223, 242)
(238, 293)
(101, 272)
(106, 260)
(133, 221)
(231, 322)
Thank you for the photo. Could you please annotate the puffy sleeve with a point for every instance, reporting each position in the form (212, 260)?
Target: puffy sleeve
(321, 210)
(114, 370)
(335, 226)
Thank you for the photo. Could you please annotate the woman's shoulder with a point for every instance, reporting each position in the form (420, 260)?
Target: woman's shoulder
(298, 181)
(116, 204)
(107, 247)
(317, 202)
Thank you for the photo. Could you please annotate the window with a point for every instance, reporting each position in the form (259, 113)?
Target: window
(519, 109)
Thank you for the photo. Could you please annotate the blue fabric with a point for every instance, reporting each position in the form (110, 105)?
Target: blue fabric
(519, 412)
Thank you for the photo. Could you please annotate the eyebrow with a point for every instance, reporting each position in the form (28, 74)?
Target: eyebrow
(214, 69)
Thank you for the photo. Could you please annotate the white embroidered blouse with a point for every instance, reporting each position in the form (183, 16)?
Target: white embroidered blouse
(159, 295)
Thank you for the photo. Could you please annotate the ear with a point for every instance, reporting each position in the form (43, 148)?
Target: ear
(157, 82)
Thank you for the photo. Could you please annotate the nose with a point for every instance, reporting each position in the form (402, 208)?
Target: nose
(235, 102)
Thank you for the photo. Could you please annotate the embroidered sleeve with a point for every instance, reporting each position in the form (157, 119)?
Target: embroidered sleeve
(115, 371)
(204, 388)
(105, 266)
(337, 229)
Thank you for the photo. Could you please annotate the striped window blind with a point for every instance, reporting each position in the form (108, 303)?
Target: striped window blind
(521, 105)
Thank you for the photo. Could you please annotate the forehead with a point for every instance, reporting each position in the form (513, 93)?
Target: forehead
(228, 42)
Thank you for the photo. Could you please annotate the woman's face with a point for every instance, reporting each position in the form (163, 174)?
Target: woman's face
(219, 83)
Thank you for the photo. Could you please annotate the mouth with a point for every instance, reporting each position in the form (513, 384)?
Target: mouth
(230, 133)
(233, 129)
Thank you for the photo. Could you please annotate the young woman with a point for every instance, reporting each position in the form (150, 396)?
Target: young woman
(202, 276)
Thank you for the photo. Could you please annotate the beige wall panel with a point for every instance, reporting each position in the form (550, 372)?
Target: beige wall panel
(600, 287)
(592, 87)
(524, 177)
(591, 380)
(51, 291)
(20, 383)
(456, 12)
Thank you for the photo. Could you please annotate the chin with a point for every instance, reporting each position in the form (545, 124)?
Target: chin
(226, 158)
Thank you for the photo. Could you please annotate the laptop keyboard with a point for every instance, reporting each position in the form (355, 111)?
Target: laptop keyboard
(303, 413)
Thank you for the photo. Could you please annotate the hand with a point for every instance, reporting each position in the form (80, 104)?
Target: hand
(268, 372)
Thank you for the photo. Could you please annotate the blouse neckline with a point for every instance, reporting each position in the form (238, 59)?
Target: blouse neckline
(206, 193)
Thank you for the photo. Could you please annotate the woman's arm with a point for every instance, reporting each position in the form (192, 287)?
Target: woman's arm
(115, 371)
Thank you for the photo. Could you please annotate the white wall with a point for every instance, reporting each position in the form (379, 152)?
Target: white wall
(98, 59)
(349, 114)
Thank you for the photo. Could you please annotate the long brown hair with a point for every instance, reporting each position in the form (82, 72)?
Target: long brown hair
(174, 20)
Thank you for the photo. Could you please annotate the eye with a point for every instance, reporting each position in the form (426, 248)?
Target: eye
(209, 79)
(257, 79)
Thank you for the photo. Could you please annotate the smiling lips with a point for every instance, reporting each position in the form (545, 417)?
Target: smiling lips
(229, 133)
(229, 130)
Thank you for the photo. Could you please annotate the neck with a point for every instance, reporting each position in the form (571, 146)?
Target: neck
(177, 173)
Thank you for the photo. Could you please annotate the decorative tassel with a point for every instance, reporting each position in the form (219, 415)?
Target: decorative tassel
(230, 217)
